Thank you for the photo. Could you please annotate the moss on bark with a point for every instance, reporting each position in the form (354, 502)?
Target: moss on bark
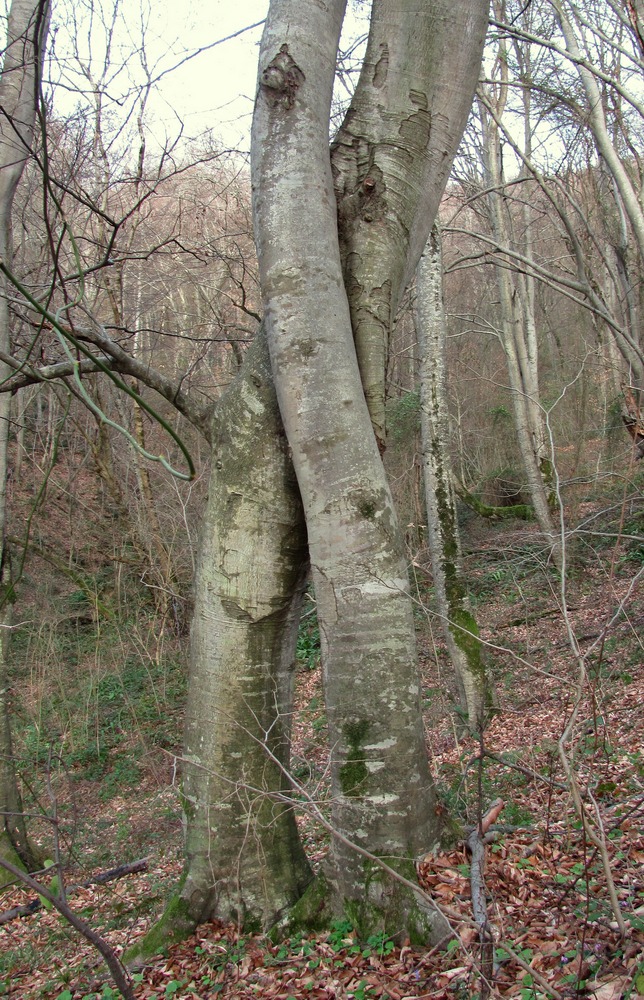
(176, 924)
(312, 912)
(519, 511)
(353, 772)
(8, 853)
(387, 907)
(394, 909)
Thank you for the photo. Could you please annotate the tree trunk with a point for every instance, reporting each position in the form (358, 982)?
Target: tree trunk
(382, 794)
(597, 123)
(244, 860)
(391, 159)
(19, 88)
(450, 590)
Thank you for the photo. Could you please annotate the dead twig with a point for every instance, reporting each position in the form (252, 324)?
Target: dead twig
(108, 876)
(117, 971)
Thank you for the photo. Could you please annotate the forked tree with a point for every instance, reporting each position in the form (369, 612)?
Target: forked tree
(300, 483)
(338, 235)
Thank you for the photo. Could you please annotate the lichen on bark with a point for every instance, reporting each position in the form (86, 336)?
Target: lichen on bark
(353, 772)
(458, 622)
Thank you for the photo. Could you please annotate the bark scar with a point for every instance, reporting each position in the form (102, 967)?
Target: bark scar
(381, 69)
(281, 79)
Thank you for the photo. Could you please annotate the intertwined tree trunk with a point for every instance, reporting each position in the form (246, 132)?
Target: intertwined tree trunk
(244, 860)
(19, 88)
(382, 794)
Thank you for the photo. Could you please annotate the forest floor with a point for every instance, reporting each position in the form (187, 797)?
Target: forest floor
(556, 897)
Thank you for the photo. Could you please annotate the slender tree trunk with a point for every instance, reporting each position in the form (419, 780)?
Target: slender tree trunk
(596, 120)
(21, 69)
(382, 794)
(450, 589)
(528, 417)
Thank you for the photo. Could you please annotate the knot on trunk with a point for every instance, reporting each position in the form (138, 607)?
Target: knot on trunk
(281, 79)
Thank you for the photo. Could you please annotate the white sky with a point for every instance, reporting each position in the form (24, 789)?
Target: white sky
(212, 91)
(215, 89)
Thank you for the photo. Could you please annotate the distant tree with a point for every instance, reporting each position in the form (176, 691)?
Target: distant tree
(443, 535)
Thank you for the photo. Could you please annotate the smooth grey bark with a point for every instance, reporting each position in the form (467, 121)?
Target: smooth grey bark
(244, 859)
(450, 588)
(19, 87)
(391, 159)
(250, 580)
(382, 794)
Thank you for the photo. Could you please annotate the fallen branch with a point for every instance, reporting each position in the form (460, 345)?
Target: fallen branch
(119, 974)
(477, 887)
(108, 876)
(521, 962)
(528, 771)
(532, 619)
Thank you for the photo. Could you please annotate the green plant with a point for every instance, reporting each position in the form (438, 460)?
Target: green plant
(107, 993)
(319, 723)
(123, 694)
(516, 814)
(308, 641)
(363, 991)
(54, 887)
(125, 772)
(12, 958)
(341, 930)
(528, 991)
(298, 946)
(379, 944)
(637, 982)
(225, 953)
(403, 417)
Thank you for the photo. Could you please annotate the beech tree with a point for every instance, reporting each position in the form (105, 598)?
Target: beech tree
(589, 59)
(297, 479)
(443, 537)
(338, 238)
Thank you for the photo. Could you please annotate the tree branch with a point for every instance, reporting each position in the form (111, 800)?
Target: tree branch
(118, 973)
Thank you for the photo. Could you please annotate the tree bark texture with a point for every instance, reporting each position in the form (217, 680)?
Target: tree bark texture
(244, 860)
(459, 625)
(391, 159)
(253, 567)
